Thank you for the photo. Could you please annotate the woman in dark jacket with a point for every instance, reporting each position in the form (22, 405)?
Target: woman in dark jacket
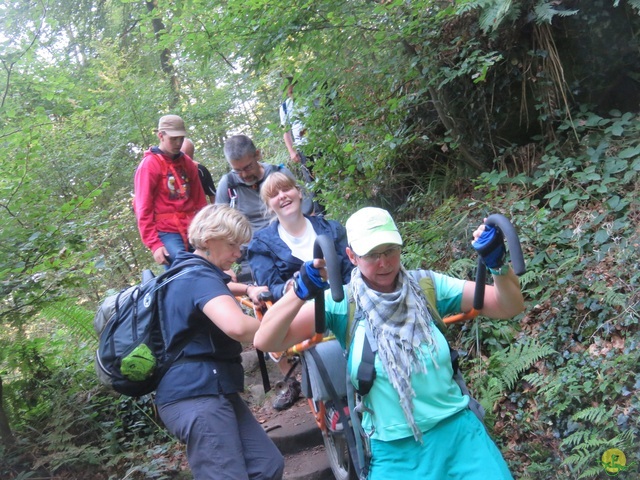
(278, 251)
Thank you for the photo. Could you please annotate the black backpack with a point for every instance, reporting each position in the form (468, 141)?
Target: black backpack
(132, 356)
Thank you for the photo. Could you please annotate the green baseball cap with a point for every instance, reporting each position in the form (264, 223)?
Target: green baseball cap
(370, 227)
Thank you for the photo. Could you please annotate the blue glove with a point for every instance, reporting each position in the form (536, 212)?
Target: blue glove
(308, 282)
(490, 246)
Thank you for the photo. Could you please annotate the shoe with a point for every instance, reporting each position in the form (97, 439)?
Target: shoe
(287, 396)
(333, 418)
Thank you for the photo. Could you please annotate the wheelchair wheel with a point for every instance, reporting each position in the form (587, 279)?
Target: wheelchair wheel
(335, 443)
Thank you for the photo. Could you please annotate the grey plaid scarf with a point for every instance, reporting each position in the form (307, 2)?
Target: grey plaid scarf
(400, 322)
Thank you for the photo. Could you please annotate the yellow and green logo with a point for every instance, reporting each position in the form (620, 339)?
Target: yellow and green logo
(614, 461)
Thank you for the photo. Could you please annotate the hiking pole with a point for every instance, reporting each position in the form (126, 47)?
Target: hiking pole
(324, 248)
(503, 224)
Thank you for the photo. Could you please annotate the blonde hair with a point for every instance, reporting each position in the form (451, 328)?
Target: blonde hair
(215, 222)
(275, 183)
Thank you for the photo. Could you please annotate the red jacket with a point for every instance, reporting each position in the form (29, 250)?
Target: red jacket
(167, 195)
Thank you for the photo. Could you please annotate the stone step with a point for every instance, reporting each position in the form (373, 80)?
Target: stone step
(295, 433)
(309, 464)
(294, 429)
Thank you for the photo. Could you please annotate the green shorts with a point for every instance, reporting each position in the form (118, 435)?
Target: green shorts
(456, 448)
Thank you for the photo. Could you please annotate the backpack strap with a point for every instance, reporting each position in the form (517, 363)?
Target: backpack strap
(366, 371)
(168, 276)
(233, 185)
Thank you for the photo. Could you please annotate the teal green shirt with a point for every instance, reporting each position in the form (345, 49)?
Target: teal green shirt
(437, 395)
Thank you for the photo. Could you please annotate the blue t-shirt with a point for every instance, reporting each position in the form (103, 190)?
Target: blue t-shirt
(437, 394)
(211, 361)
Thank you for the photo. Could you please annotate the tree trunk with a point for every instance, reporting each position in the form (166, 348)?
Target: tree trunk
(165, 56)
(6, 435)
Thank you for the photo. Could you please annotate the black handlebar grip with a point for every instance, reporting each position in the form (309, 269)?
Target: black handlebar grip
(513, 242)
(324, 248)
(266, 296)
(481, 278)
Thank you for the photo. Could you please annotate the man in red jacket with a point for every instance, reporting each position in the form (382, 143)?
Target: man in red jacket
(167, 193)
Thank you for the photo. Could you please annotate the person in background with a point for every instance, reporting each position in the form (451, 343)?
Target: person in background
(199, 399)
(415, 416)
(167, 193)
(295, 131)
(240, 188)
(278, 251)
(206, 179)
(295, 138)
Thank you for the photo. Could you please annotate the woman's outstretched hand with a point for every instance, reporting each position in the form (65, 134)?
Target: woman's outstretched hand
(310, 280)
(489, 243)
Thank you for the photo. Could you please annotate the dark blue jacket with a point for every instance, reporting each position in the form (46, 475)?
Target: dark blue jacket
(272, 263)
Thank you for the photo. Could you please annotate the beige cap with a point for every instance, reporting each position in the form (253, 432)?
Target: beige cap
(370, 227)
(172, 125)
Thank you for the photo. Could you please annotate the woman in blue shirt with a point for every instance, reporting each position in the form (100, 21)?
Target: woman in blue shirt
(199, 397)
(415, 415)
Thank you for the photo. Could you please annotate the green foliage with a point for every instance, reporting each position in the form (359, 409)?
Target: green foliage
(69, 425)
(505, 368)
(74, 317)
(582, 288)
(408, 102)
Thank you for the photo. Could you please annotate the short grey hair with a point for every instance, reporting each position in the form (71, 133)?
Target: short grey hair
(237, 147)
(219, 222)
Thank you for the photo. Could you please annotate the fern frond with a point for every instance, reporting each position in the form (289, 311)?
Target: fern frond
(519, 358)
(591, 472)
(627, 437)
(579, 460)
(545, 11)
(491, 394)
(595, 415)
(495, 13)
(537, 380)
(78, 320)
(584, 439)
(528, 277)
(614, 299)
(635, 4)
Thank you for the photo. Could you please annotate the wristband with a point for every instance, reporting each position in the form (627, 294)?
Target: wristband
(500, 271)
(246, 292)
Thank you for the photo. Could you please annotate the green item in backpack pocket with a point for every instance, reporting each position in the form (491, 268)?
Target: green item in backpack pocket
(139, 364)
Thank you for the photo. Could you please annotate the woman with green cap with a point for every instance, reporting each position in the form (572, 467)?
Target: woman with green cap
(416, 417)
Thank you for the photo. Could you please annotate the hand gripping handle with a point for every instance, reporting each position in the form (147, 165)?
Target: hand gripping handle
(325, 248)
(513, 242)
(515, 252)
(517, 261)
